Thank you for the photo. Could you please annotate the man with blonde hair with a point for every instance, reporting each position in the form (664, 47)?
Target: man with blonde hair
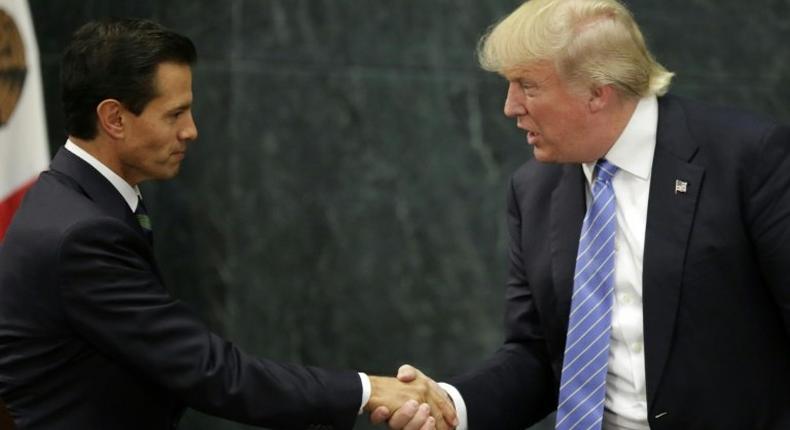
(647, 286)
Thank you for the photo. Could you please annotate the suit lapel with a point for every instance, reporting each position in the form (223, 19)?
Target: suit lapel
(670, 215)
(567, 213)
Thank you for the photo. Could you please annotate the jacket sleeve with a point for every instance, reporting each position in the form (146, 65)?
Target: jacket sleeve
(515, 388)
(114, 299)
(768, 213)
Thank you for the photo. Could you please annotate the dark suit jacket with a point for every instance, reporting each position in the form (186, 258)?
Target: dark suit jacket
(716, 284)
(90, 338)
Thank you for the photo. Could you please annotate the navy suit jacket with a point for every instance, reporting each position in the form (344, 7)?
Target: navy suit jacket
(91, 339)
(716, 285)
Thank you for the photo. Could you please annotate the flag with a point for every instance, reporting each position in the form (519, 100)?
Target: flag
(24, 150)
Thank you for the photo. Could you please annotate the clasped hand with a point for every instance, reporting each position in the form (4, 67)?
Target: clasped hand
(413, 401)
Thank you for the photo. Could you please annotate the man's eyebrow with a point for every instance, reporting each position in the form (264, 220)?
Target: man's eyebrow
(182, 106)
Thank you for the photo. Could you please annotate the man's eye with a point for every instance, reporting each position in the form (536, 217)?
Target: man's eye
(528, 87)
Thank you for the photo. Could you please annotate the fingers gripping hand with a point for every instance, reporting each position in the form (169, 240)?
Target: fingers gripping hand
(405, 399)
(412, 416)
(429, 425)
(422, 419)
(439, 402)
(382, 414)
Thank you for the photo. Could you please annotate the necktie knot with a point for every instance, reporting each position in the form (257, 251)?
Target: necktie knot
(143, 219)
(604, 170)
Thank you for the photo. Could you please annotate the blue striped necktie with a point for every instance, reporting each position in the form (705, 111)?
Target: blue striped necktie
(583, 382)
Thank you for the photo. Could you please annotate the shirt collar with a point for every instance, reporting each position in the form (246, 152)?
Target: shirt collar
(633, 150)
(131, 194)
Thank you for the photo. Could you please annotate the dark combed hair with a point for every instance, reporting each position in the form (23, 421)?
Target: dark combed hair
(115, 59)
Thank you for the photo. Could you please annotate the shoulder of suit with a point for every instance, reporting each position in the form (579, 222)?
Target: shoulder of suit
(711, 119)
(536, 181)
(53, 206)
(60, 190)
(535, 171)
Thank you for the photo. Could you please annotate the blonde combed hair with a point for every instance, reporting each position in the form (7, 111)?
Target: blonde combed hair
(590, 42)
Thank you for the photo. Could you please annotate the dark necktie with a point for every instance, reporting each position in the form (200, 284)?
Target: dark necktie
(584, 367)
(145, 222)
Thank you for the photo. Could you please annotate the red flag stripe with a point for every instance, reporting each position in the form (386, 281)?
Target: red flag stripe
(9, 205)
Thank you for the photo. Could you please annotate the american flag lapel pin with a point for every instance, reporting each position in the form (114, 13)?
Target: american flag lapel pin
(681, 186)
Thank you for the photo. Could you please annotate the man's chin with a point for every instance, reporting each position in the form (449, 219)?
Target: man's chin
(173, 173)
(542, 155)
(169, 173)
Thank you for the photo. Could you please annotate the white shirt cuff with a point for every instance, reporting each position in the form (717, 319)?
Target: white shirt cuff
(365, 391)
(460, 406)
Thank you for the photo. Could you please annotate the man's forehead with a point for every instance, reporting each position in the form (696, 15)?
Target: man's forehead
(172, 77)
(172, 87)
(535, 71)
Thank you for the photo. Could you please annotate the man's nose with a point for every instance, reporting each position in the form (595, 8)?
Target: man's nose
(190, 132)
(514, 103)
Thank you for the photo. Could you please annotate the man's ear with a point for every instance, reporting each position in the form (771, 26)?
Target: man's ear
(600, 97)
(109, 114)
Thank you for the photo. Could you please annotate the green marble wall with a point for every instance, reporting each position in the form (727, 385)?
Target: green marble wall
(344, 204)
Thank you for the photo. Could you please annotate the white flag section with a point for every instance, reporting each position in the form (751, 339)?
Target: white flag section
(24, 151)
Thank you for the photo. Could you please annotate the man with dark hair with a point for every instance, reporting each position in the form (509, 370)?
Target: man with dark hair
(89, 336)
(117, 59)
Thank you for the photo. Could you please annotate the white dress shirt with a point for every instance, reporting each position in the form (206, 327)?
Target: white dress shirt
(132, 196)
(129, 193)
(625, 407)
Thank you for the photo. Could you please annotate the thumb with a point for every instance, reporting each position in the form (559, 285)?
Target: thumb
(407, 373)
(379, 415)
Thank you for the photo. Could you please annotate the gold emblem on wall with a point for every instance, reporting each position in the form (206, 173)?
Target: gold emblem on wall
(13, 67)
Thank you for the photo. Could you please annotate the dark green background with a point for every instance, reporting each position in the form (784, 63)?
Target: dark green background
(344, 204)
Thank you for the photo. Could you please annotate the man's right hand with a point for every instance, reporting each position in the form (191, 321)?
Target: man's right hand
(407, 414)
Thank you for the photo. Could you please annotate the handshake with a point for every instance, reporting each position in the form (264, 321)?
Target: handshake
(412, 401)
